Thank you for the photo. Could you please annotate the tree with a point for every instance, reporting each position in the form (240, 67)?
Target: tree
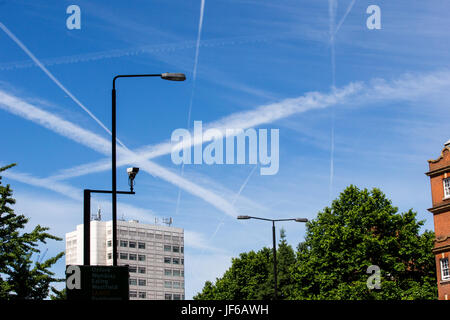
(20, 277)
(361, 229)
(58, 294)
(250, 276)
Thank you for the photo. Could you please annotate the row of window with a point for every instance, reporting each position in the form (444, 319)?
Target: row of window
(167, 272)
(173, 273)
(167, 296)
(176, 249)
(142, 245)
(148, 235)
(169, 260)
(134, 294)
(135, 269)
(131, 256)
(167, 284)
(136, 282)
(142, 257)
(173, 285)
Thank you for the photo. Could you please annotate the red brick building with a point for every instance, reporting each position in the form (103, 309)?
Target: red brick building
(440, 192)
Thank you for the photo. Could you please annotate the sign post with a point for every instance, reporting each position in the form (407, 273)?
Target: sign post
(97, 282)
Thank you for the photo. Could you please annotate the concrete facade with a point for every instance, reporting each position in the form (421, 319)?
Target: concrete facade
(154, 254)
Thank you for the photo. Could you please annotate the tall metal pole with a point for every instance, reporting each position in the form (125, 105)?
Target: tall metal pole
(274, 260)
(87, 227)
(114, 178)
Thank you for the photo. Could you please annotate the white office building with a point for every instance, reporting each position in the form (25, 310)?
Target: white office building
(154, 254)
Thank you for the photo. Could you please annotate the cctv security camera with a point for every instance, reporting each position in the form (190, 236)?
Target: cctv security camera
(132, 172)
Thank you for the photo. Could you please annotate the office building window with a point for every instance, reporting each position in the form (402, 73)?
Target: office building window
(141, 234)
(447, 188)
(175, 238)
(176, 285)
(182, 249)
(132, 233)
(142, 282)
(142, 295)
(141, 257)
(123, 232)
(167, 248)
(168, 284)
(167, 260)
(158, 236)
(123, 243)
(133, 294)
(167, 237)
(182, 261)
(133, 282)
(123, 256)
(109, 243)
(141, 269)
(109, 256)
(176, 273)
(132, 269)
(167, 272)
(176, 261)
(132, 244)
(176, 297)
(176, 249)
(150, 235)
(133, 256)
(445, 271)
(168, 296)
(141, 245)
(182, 273)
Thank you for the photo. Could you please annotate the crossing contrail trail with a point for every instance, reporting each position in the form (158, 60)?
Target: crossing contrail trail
(93, 141)
(236, 197)
(146, 165)
(332, 7)
(242, 120)
(52, 77)
(194, 77)
(349, 8)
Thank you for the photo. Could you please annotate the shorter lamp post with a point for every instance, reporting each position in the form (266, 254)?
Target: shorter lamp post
(87, 213)
(274, 242)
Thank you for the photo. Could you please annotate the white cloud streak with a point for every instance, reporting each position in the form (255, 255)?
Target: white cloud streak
(407, 87)
(67, 129)
(51, 76)
(243, 120)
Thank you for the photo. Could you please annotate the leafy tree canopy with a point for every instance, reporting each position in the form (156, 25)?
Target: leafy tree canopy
(359, 230)
(20, 276)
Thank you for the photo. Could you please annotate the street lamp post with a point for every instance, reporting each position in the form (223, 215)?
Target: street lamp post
(165, 76)
(274, 243)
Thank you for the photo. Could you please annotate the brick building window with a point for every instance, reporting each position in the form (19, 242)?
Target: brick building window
(445, 271)
(447, 188)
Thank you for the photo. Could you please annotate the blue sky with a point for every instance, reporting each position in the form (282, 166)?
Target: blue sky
(253, 62)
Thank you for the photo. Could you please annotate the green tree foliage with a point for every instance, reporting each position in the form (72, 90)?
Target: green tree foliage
(250, 276)
(361, 229)
(20, 277)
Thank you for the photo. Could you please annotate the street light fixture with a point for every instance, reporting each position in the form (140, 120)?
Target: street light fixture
(165, 76)
(274, 242)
